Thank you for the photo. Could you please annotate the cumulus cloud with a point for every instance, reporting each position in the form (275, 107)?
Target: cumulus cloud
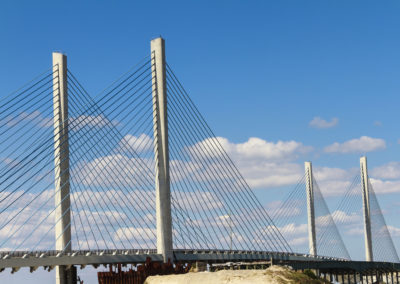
(355, 231)
(142, 236)
(334, 181)
(256, 148)
(270, 174)
(327, 173)
(385, 186)
(23, 214)
(295, 234)
(280, 210)
(387, 171)
(139, 143)
(190, 201)
(113, 170)
(360, 145)
(263, 163)
(318, 122)
(10, 162)
(394, 231)
(28, 223)
(35, 117)
(341, 217)
(91, 121)
(335, 188)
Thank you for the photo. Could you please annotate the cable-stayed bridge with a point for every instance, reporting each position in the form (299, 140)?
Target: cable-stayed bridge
(137, 172)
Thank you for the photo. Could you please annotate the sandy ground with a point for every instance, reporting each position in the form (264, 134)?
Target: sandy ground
(274, 274)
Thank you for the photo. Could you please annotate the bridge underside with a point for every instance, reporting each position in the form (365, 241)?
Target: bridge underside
(50, 259)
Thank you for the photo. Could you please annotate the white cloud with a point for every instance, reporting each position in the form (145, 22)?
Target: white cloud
(139, 143)
(360, 145)
(293, 229)
(138, 235)
(318, 122)
(394, 232)
(387, 171)
(334, 181)
(113, 170)
(34, 117)
(190, 201)
(334, 188)
(30, 226)
(295, 235)
(10, 162)
(385, 186)
(355, 231)
(91, 121)
(256, 148)
(341, 217)
(279, 210)
(21, 218)
(262, 163)
(270, 174)
(326, 173)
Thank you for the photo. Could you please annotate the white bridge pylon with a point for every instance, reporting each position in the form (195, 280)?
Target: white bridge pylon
(372, 218)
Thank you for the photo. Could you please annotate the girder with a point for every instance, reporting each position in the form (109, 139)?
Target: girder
(51, 259)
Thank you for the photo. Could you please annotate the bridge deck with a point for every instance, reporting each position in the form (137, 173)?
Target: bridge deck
(51, 259)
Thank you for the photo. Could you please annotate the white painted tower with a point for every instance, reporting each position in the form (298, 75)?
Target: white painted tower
(61, 162)
(312, 243)
(160, 124)
(366, 209)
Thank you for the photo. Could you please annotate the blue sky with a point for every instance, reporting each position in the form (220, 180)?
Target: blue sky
(260, 69)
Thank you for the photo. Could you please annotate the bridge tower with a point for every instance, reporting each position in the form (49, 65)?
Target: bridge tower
(366, 209)
(161, 154)
(61, 163)
(312, 243)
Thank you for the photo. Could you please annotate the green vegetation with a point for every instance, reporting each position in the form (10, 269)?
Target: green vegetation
(291, 276)
(310, 274)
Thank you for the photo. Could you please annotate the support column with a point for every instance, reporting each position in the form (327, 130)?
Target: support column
(310, 209)
(61, 162)
(366, 209)
(160, 126)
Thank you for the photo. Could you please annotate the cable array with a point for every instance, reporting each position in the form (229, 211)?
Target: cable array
(291, 218)
(382, 244)
(111, 184)
(27, 164)
(349, 216)
(111, 158)
(112, 177)
(206, 183)
(329, 240)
